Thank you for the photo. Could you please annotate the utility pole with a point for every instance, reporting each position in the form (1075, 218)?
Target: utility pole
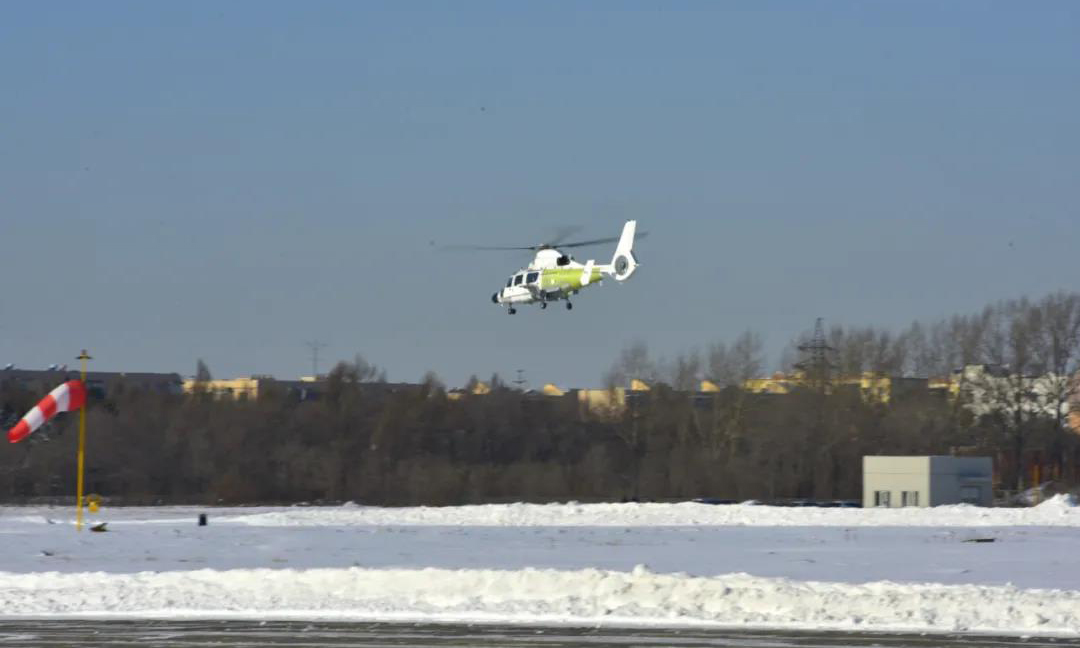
(817, 369)
(314, 346)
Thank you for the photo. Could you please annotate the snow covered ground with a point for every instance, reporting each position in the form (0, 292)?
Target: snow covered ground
(626, 564)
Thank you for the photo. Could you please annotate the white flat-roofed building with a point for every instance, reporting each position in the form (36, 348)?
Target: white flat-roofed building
(894, 482)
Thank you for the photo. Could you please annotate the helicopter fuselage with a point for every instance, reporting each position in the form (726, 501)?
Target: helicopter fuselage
(548, 278)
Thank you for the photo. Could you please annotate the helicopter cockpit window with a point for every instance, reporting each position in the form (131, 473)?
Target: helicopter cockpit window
(517, 280)
(509, 282)
(531, 277)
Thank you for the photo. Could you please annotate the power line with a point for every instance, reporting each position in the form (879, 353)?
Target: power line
(314, 346)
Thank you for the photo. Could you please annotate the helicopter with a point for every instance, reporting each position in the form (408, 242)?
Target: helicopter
(554, 275)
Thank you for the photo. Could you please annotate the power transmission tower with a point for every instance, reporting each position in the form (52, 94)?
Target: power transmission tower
(314, 346)
(815, 365)
(520, 381)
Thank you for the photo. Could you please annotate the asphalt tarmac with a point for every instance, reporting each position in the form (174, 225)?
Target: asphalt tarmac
(236, 634)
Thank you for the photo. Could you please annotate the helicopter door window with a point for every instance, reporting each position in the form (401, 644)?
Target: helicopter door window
(531, 277)
(517, 280)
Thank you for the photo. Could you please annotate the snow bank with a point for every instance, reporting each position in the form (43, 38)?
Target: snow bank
(638, 597)
(1060, 510)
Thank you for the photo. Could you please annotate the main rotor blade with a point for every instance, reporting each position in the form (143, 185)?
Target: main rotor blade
(543, 246)
(489, 247)
(610, 239)
(562, 234)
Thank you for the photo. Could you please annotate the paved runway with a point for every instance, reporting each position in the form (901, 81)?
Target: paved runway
(237, 634)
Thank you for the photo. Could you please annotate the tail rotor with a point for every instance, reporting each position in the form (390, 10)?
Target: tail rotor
(623, 264)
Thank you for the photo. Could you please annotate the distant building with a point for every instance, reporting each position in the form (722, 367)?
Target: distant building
(481, 388)
(98, 382)
(985, 389)
(778, 383)
(610, 402)
(247, 387)
(994, 389)
(1074, 405)
(476, 388)
(250, 387)
(306, 388)
(709, 387)
(893, 482)
(874, 387)
(550, 389)
(603, 402)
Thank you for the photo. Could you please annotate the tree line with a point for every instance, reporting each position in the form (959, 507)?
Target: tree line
(369, 441)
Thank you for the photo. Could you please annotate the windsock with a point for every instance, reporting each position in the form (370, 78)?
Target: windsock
(67, 397)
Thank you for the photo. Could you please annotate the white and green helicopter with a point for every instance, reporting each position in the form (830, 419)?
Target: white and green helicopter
(555, 275)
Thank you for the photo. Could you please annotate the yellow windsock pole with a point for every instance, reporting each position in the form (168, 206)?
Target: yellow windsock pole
(84, 356)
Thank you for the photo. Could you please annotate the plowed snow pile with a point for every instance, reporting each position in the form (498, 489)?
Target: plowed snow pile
(586, 596)
(912, 569)
(1057, 511)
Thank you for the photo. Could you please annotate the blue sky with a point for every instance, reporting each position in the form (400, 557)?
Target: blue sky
(228, 180)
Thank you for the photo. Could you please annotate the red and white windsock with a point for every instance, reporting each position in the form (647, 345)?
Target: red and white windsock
(66, 398)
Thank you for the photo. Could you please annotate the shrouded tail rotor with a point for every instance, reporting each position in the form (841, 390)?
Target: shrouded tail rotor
(623, 264)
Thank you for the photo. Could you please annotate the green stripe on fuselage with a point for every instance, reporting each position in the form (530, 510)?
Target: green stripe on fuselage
(565, 279)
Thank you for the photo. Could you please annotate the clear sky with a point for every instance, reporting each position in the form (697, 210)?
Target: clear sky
(228, 180)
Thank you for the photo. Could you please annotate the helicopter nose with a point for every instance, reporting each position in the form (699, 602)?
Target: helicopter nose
(494, 298)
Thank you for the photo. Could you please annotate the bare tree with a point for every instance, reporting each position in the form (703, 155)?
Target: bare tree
(732, 365)
(685, 371)
(633, 362)
(201, 388)
(433, 385)
(935, 351)
(202, 372)
(1057, 349)
(860, 350)
(368, 372)
(1002, 389)
(929, 351)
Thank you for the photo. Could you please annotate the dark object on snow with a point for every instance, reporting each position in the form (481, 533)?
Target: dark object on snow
(100, 528)
(202, 519)
(980, 540)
